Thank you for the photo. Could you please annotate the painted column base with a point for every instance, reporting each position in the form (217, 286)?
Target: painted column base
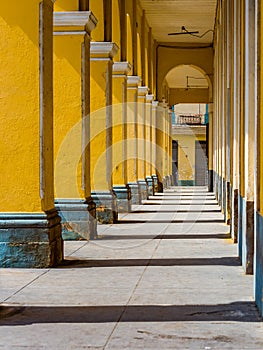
(78, 218)
(226, 200)
(234, 214)
(210, 181)
(219, 191)
(143, 188)
(106, 206)
(149, 181)
(123, 194)
(30, 240)
(155, 183)
(259, 263)
(135, 193)
(164, 182)
(246, 234)
(171, 180)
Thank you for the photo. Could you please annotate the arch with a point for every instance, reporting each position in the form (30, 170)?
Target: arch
(188, 84)
(139, 56)
(171, 57)
(96, 6)
(129, 39)
(116, 28)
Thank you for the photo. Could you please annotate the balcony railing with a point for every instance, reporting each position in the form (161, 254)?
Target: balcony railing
(190, 120)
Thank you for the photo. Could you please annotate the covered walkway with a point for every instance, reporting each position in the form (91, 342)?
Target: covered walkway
(166, 276)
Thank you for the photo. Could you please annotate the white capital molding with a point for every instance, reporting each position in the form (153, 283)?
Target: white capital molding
(121, 68)
(75, 19)
(149, 98)
(155, 104)
(133, 80)
(103, 49)
(143, 90)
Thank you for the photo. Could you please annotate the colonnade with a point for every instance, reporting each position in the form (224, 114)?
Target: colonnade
(82, 137)
(235, 140)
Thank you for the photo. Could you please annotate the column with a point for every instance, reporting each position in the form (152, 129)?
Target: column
(246, 234)
(141, 127)
(160, 146)
(132, 135)
(30, 230)
(119, 148)
(72, 123)
(102, 54)
(210, 142)
(169, 148)
(154, 146)
(148, 145)
(258, 271)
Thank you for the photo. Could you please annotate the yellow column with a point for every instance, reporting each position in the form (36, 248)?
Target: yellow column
(30, 230)
(132, 135)
(169, 151)
(160, 145)
(102, 54)
(71, 119)
(119, 115)
(141, 125)
(154, 145)
(148, 144)
(258, 281)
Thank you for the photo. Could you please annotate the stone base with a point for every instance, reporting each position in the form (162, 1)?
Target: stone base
(123, 194)
(143, 189)
(171, 180)
(210, 180)
(149, 181)
(168, 181)
(164, 182)
(78, 218)
(106, 206)
(135, 193)
(30, 240)
(155, 183)
(246, 234)
(259, 263)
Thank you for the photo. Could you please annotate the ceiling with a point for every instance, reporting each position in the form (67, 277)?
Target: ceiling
(169, 16)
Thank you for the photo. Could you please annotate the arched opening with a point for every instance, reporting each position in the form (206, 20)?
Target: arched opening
(116, 31)
(129, 39)
(96, 6)
(189, 95)
(139, 56)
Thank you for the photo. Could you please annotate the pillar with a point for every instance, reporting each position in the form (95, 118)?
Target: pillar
(132, 135)
(149, 143)
(154, 146)
(119, 149)
(141, 141)
(72, 123)
(30, 230)
(160, 145)
(102, 54)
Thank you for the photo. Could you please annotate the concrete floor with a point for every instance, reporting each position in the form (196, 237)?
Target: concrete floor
(165, 277)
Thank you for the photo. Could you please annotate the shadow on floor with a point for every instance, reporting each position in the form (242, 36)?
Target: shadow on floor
(84, 263)
(166, 236)
(235, 312)
(153, 221)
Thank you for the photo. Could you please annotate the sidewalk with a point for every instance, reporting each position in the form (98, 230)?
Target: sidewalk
(165, 277)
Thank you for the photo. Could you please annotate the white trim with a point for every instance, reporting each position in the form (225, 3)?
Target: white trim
(121, 68)
(143, 90)
(133, 80)
(103, 49)
(75, 19)
(59, 33)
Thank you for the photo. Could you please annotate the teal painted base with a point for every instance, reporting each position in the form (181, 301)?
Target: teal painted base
(78, 218)
(149, 181)
(135, 193)
(30, 240)
(210, 181)
(186, 183)
(234, 214)
(143, 188)
(259, 263)
(123, 194)
(106, 206)
(155, 183)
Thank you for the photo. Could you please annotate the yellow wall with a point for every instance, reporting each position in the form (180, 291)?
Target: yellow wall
(67, 115)
(19, 107)
(66, 5)
(96, 6)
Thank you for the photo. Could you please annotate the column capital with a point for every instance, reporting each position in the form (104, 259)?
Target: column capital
(142, 91)
(133, 80)
(121, 68)
(103, 49)
(149, 98)
(155, 104)
(82, 21)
